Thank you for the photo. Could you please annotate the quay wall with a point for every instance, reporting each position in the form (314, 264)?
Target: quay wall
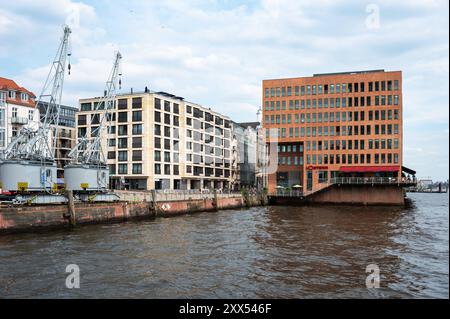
(350, 195)
(360, 195)
(24, 218)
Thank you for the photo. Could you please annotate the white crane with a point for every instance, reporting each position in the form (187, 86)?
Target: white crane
(88, 171)
(28, 164)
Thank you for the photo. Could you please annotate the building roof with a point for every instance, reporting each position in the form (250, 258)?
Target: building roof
(253, 125)
(10, 85)
(349, 72)
(333, 74)
(44, 104)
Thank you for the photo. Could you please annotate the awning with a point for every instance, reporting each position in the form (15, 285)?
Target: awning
(362, 169)
(408, 170)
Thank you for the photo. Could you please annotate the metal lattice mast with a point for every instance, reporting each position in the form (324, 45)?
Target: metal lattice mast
(88, 150)
(32, 143)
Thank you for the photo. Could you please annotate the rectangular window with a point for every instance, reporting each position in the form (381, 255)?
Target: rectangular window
(123, 117)
(137, 168)
(137, 129)
(123, 168)
(122, 104)
(123, 156)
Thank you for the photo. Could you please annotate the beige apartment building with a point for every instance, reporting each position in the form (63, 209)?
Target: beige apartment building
(157, 140)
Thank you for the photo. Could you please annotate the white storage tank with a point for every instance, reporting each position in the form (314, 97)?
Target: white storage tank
(78, 177)
(27, 176)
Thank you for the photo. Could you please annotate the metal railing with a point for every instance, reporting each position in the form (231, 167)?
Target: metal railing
(174, 195)
(371, 180)
(324, 183)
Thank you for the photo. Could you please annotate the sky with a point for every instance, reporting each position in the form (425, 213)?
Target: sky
(217, 52)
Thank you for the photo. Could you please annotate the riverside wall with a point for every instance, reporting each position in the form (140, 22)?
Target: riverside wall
(23, 218)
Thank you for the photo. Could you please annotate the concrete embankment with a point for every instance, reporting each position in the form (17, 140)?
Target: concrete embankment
(133, 205)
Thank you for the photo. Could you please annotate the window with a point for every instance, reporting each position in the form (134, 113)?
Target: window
(167, 157)
(158, 104)
(86, 107)
(157, 168)
(12, 94)
(396, 85)
(157, 156)
(123, 130)
(137, 129)
(123, 117)
(122, 142)
(157, 116)
(166, 118)
(137, 103)
(122, 156)
(123, 104)
(395, 99)
(166, 106)
(123, 168)
(157, 142)
(24, 96)
(137, 116)
(167, 144)
(137, 168)
(137, 155)
(137, 142)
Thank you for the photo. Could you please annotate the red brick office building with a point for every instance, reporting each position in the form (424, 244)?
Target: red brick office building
(334, 125)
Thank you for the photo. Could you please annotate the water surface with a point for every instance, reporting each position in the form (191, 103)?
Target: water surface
(279, 252)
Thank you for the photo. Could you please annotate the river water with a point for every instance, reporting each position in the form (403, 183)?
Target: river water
(269, 252)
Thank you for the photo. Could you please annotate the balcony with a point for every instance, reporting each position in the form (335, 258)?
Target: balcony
(19, 120)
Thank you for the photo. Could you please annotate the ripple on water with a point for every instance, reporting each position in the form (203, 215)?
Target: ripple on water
(282, 252)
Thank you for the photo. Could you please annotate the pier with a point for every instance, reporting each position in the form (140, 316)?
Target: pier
(132, 205)
(348, 190)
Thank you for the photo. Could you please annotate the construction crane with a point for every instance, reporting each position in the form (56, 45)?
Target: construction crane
(28, 165)
(88, 173)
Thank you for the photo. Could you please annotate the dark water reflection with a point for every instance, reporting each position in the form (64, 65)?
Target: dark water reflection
(281, 252)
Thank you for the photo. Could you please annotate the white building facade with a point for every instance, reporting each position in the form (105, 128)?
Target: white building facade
(17, 109)
(158, 140)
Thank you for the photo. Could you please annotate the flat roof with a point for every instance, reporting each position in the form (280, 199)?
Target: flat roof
(349, 72)
(332, 74)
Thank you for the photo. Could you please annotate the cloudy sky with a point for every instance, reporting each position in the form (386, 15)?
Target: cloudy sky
(216, 52)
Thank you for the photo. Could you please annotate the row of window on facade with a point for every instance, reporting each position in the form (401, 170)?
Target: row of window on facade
(167, 169)
(13, 95)
(383, 129)
(332, 88)
(331, 159)
(159, 105)
(360, 101)
(382, 115)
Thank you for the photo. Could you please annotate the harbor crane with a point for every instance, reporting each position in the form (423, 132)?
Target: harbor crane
(87, 175)
(28, 166)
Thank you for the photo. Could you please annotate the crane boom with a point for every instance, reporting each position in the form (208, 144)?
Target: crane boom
(88, 150)
(34, 144)
(28, 163)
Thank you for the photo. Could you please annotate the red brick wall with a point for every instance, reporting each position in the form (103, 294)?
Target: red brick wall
(26, 218)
